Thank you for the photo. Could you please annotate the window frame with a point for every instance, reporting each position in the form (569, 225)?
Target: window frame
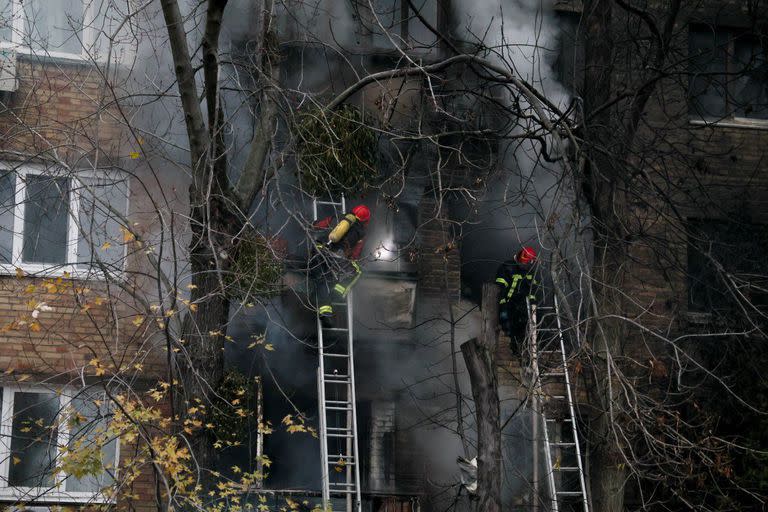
(400, 32)
(17, 33)
(70, 267)
(730, 52)
(56, 493)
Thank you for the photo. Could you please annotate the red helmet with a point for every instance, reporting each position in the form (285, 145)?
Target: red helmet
(526, 255)
(362, 212)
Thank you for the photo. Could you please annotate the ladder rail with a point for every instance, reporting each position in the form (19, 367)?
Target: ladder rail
(353, 400)
(563, 378)
(571, 409)
(341, 408)
(537, 409)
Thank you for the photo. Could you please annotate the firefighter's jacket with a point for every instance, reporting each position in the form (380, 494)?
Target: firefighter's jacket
(517, 282)
(352, 242)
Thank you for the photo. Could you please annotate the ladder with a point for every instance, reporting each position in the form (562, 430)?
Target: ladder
(549, 363)
(336, 394)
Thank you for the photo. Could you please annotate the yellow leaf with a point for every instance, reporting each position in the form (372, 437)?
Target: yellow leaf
(30, 288)
(16, 460)
(193, 307)
(105, 246)
(22, 378)
(269, 347)
(19, 273)
(127, 235)
(138, 320)
(34, 327)
(191, 286)
(134, 155)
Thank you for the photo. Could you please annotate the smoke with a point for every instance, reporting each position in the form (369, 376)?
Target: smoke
(409, 364)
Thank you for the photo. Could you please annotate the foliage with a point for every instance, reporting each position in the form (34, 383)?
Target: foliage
(231, 413)
(337, 151)
(256, 269)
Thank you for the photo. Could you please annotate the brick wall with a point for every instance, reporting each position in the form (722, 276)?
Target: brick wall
(83, 329)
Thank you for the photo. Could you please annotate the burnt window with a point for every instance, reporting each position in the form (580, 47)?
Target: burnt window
(727, 265)
(728, 74)
(397, 23)
(569, 60)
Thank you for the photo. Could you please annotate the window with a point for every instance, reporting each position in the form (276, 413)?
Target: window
(569, 61)
(727, 265)
(37, 426)
(51, 28)
(729, 74)
(401, 23)
(39, 231)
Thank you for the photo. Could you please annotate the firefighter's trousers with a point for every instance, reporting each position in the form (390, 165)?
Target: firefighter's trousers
(335, 278)
(513, 318)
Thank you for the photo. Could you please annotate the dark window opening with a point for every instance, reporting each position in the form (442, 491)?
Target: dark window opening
(726, 266)
(728, 74)
(569, 60)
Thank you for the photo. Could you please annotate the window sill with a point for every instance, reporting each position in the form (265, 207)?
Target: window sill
(47, 271)
(696, 317)
(733, 122)
(23, 51)
(39, 496)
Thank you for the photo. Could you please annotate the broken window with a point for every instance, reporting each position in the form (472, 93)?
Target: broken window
(729, 74)
(398, 23)
(569, 60)
(727, 265)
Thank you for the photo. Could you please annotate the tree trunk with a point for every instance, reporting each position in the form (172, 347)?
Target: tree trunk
(200, 363)
(478, 356)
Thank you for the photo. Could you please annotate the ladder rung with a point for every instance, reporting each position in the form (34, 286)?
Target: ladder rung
(334, 355)
(343, 484)
(336, 408)
(343, 491)
(339, 435)
(566, 468)
(344, 304)
(338, 429)
(333, 203)
(569, 493)
(337, 376)
(338, 402)
(338, 457)
(345, 382)
(553, 374)
(562, 444)
(335, 329)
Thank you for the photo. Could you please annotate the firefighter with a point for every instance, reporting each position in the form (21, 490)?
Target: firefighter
(345, 244)
(517, 284)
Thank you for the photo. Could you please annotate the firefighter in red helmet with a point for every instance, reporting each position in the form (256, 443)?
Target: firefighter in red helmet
(340, 269)
(518, 285)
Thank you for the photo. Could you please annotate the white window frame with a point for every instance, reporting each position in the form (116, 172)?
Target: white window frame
(57, 492)
(70, 267)
(17, 31)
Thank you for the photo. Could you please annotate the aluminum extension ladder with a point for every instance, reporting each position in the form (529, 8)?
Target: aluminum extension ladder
(336, 394)
(564, 462)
